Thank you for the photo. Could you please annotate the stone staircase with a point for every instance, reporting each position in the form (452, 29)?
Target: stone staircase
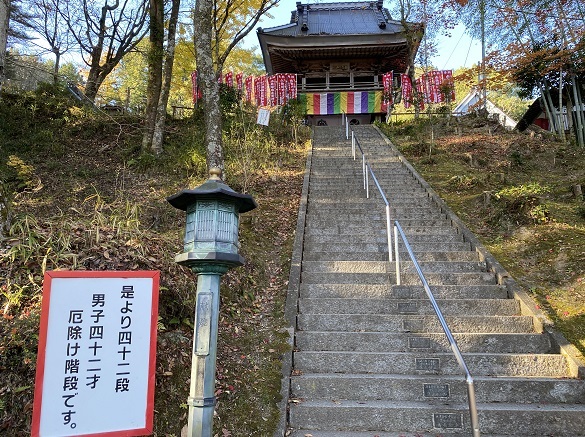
(370, 357)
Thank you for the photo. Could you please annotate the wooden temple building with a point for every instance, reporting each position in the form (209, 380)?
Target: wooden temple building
(339, 52)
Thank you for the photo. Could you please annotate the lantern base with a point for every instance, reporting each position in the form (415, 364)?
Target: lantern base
(209, 262)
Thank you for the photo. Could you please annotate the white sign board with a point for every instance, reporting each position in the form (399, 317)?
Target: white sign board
(97, 349)
(263, 117)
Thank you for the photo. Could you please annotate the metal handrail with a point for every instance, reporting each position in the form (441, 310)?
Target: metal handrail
(469, 380)
(366, 168)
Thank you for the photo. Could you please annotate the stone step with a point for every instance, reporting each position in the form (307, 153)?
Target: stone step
(319, 433)
(383, 256)
(355, 197)
(485, 307)
(353, 228)
(377, 267)
(381, 237)
(401, 216)
(491, 291)
(323, 219)
(476, 278)
(413, 323)
(524, 343)
(495, 418)
(399, 190)
(358, 202)
(445, 388)
(404, 363)
(382, 247)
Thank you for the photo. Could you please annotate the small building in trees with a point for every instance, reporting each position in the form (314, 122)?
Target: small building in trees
(340, 52)
(473, 102)
(538, 116)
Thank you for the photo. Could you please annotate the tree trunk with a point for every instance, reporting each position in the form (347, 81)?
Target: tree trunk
(4, 19)
(56, 68)
(560, 113)
(93, 83)
(155, 61)
(578, 107)
(548, 108)
(161, 113)
(208, 79)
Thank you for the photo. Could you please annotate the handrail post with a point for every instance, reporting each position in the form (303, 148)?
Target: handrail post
(364, 169)
(398, 279)
(389, 232)
(472, 407)
(353, 144)
(347, 127)
(367, 181)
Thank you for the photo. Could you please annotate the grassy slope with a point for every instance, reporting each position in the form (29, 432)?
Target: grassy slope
(87, 200)
(514, 191)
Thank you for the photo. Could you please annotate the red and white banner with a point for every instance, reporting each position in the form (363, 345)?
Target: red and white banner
(273, 84)
(448, 83)
(239, 81)
(229, 79)
(388, 99)
(421, 92)
(292, 86)
(433, 85)
(406, 90)
(281, 83)
(249, 83)
(263, 90)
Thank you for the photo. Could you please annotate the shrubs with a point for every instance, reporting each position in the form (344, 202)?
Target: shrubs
(522, 204)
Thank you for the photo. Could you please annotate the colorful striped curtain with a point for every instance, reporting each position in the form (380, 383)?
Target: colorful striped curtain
(359, 102)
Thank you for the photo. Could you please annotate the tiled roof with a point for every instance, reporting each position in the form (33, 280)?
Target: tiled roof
(339, 18)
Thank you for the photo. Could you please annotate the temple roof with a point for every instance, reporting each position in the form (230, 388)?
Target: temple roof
(343, 18)
(335, 31)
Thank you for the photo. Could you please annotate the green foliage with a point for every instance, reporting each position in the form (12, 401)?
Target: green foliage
(522, 204)
(462, 182)
(57, 244)
(524, 190)
(24, 173)
(229, 99)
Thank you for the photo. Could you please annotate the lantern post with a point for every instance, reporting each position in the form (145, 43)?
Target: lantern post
(210, 249)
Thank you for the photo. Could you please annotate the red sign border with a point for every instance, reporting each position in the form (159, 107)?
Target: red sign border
(40, 370)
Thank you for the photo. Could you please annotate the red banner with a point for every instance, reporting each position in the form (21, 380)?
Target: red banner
(292, 86)
(249, 84)
(273, 84)
(281, 83)
(263, 91)
(240, 81)
(406, 90)
(421, 92)
(447, 76)
(388, 98)
(229, 79)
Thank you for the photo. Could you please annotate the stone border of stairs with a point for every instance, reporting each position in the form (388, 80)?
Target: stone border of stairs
(292, 297)
(527, 304)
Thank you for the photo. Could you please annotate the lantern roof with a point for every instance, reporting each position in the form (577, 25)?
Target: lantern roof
(212, 189)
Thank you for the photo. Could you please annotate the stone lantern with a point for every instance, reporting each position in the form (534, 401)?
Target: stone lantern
(211, 248)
